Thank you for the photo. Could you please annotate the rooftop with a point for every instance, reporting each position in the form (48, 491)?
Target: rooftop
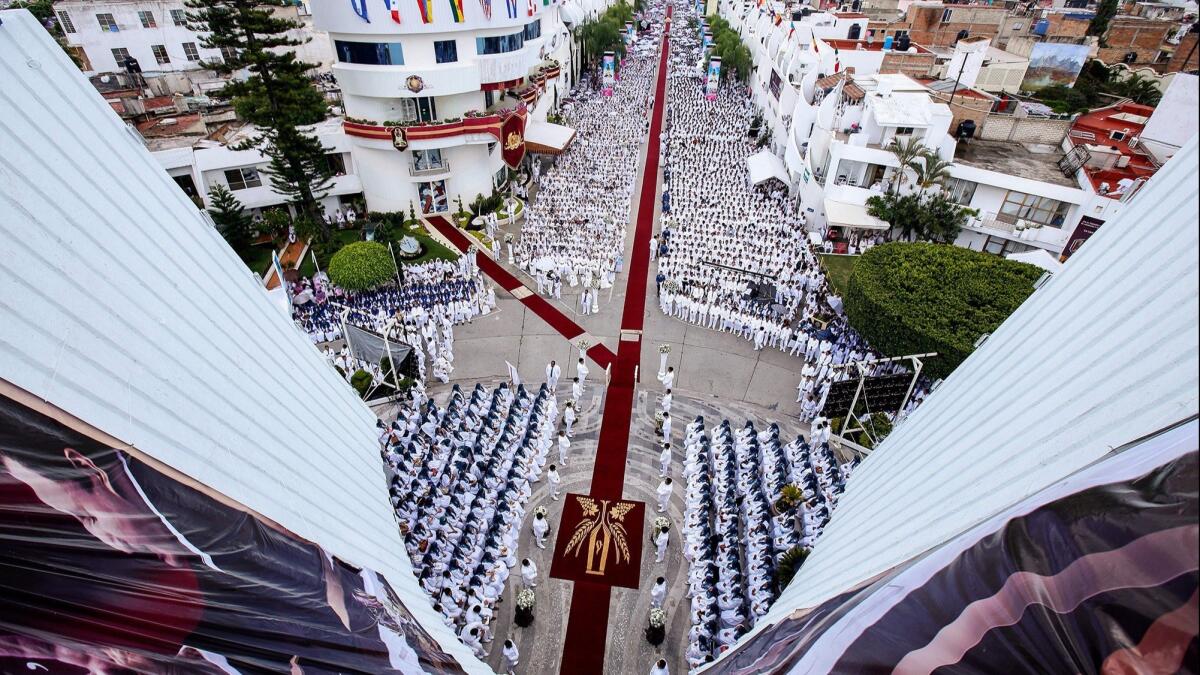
(1035, 162)
(1096, 128)
(873, 46)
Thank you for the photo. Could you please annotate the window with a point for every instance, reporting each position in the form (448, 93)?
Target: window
(900, 33)
(445, 51)
(1031, 207)
(489, 99)
(336, 164)
(1163, 57)
(107, 22)
(499, 44)
(190, 51)
(179, 17)
(147, 19)
(533, 29)
(64, 20)
(433, 196)
(419, 109)
(1117, 135)
(369, 53)
(160, 54)
(500, 179)
(946, 14)
(228, 53)
(120, 54)
(245, 177)
(424, 160)
(904, 131)
(961, 191)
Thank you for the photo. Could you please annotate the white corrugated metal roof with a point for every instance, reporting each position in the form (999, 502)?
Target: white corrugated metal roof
(1104, 353)
(122, 306)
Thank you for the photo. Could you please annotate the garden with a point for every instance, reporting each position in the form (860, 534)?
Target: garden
(914, 297)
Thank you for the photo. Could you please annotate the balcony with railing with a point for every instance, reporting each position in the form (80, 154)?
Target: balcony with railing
(429, 170)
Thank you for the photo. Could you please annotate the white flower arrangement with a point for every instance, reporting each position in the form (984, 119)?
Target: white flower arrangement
(658, 618)
(540, 511)
(662, 523)
(508, 238)
(526, 599)
(664, 349)
(658, 418)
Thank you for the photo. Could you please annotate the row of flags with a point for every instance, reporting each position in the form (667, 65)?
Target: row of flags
(456, 9)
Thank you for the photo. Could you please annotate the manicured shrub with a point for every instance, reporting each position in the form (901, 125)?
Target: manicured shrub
(361, 381)
(912, 298)
(361, 266)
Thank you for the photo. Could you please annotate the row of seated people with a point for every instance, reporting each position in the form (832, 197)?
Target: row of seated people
(460, 477)
(436, 290)
(732, 540)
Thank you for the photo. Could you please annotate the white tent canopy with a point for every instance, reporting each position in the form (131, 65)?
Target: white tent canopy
(1040, 257)
(547, 137)
(765, 165)
(854, 216)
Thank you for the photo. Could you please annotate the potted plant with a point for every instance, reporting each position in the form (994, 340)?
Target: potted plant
(525, 603)
(789, 497)
(656, 632)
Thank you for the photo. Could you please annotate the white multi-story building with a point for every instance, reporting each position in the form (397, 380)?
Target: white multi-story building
(198, 168)
(155, 34)
(425, 93)
(836, 101)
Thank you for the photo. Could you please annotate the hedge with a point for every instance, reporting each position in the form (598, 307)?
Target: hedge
(913, 298)
(361, 266)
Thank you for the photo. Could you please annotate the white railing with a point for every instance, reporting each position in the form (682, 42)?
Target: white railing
(444, 167)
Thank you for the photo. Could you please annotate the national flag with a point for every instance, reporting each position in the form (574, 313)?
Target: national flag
(426, 7)
(456, 10)
(531, 7)
(486, 6)
(393, 9)
(791, 29)
(360, 8)
(512, 8)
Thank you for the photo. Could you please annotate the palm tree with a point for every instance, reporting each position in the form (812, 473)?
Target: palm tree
(1138, 89)
(906, 152)
(930, 169)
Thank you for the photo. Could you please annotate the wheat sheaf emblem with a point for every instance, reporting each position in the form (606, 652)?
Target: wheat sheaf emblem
(601, 530)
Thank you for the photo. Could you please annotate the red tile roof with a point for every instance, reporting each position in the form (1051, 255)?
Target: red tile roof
(1095, 127)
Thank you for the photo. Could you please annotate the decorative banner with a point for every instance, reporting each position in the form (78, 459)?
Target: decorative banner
(486, 6)
(708, 40)
(107, 561)
(608, 76)
(360, 8)
(1096, 574)
(599, 541)
(629, 34)
(426, 7)
(512, 8)
(400, 138)
(456, 11)
(713, 78)
(1086, 228)
(512, 138)
(393, 7)
(531, 6)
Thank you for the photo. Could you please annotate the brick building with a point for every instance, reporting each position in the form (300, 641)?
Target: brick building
(938, 25)
(1138, 42)
(1186, 56)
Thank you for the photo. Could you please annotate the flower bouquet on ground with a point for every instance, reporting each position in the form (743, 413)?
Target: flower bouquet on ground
(656, 632)
(541, 511)
(660, 524)
(525, 603)
(664, 349)
(658, 422)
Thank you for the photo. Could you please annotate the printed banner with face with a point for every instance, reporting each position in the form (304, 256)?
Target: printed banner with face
(1095, 574)
(609, 73)
(600, 541)
(1083, 231)
(712, 78)
(629, 33)
(512, 140)
(108, 565)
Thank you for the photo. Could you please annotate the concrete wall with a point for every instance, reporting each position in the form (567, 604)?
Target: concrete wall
(1024, 129)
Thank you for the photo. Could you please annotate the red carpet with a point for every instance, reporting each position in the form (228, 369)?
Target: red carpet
(587, 627)
(599, 541)
(600, 354)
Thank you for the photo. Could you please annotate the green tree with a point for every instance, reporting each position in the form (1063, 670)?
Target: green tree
(1138, 89)
(931, 170)
(361, 266)
(906, 152)
(928, 217)
(1105, 11)
(230, 217)
(912, 298)
(276, 95)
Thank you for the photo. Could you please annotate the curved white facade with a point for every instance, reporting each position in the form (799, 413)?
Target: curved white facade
(436, 71)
